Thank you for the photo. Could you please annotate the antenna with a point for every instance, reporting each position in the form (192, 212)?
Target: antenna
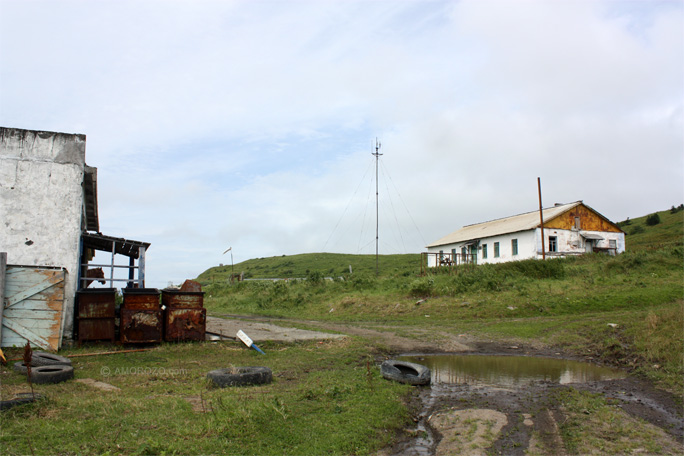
(377, 155)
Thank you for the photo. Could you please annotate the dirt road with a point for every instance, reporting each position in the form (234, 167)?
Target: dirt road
(471, 419)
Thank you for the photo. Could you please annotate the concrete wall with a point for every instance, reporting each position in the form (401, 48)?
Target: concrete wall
(41, 203)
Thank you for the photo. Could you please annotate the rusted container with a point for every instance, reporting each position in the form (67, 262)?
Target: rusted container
(96, 312)
(141, 326)
(141, 298)
(183, 299)
(184, 324)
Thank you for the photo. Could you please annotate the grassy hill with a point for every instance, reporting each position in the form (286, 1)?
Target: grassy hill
(573, 303)
(639, 237)
(325, 264)
(669, 232)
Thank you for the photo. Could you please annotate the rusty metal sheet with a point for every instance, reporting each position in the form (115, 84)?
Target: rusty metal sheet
(182, 299)
(141, 298)
(96, 303)
(141, 326)
(96, 329)
(184, 324)
(33, 306)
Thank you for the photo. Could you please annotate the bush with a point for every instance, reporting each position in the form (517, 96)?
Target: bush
(423, 286)
(653, 219)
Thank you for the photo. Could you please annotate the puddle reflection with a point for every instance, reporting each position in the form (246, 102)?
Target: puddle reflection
(510, 370)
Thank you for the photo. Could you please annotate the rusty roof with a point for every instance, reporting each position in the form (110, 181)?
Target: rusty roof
(513, 224)
(120, 246)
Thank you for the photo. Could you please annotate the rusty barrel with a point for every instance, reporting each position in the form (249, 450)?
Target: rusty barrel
(96, 313)
(185, 317)
(141, 316)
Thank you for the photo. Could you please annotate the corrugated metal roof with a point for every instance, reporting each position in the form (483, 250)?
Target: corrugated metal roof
(513, 224)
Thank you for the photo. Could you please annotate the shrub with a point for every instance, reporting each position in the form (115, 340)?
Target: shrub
(423, 286)
(653, 219)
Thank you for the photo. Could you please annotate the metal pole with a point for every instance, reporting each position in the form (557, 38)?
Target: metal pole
(377, 217)
(541, 218)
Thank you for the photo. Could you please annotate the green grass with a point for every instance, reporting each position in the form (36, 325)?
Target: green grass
(322, 264)
(564, 302)
(667, 234)
(325, 399)
(597, 423)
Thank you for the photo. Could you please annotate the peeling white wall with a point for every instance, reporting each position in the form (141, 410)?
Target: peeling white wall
(569, 242)
(41, 201)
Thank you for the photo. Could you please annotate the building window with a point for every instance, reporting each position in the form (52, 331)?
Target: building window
(441, 255)
(464, 253)
(496, 250)
(577, 223)
(484, 251)
(514, 246)
(553, 244)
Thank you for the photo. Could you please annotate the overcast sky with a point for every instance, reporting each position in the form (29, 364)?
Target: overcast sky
(250, 124)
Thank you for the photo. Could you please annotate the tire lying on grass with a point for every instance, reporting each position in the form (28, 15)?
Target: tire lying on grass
(22, 398)
(405, 372)
(50, 374)
(41, 358)
(239, 376)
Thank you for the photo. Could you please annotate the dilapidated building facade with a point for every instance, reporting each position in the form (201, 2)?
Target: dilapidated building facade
(49, 230)
(568, 229)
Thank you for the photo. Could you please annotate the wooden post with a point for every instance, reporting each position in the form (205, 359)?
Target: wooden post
(3, 266)
(541, 218)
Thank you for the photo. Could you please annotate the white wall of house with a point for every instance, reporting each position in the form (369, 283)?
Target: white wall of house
(567, 242)
(575, 242)
(41, 203)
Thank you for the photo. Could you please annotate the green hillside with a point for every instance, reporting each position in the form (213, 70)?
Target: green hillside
(669, 232)
(639, 237)
(326, 264)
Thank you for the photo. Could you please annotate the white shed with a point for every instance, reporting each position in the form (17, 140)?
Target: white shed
(569, 229)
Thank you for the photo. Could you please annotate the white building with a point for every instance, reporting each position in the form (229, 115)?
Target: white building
(49, 230)
(569, 229)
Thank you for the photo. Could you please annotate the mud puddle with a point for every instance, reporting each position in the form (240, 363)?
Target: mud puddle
(510, 371)
(484, 404)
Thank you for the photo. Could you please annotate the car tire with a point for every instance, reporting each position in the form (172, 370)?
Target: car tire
(405, 372)
(40, 358)
(22, 398)
(240, 376)
(51, 374)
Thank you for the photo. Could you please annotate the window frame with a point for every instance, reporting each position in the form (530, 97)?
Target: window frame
(554, 244)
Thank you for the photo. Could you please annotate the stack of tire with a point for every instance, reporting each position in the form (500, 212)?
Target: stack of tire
(47, 368)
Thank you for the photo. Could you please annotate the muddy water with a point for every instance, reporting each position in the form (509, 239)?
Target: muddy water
(510, 371)
(459, 378)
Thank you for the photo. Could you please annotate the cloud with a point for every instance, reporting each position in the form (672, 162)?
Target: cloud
(250, 124)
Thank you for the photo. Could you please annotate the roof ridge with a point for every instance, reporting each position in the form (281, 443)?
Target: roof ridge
(523, 213)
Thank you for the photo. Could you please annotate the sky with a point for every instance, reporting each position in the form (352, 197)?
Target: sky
(251, 125)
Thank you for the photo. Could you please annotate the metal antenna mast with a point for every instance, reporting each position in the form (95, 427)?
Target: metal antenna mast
(377, 222)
